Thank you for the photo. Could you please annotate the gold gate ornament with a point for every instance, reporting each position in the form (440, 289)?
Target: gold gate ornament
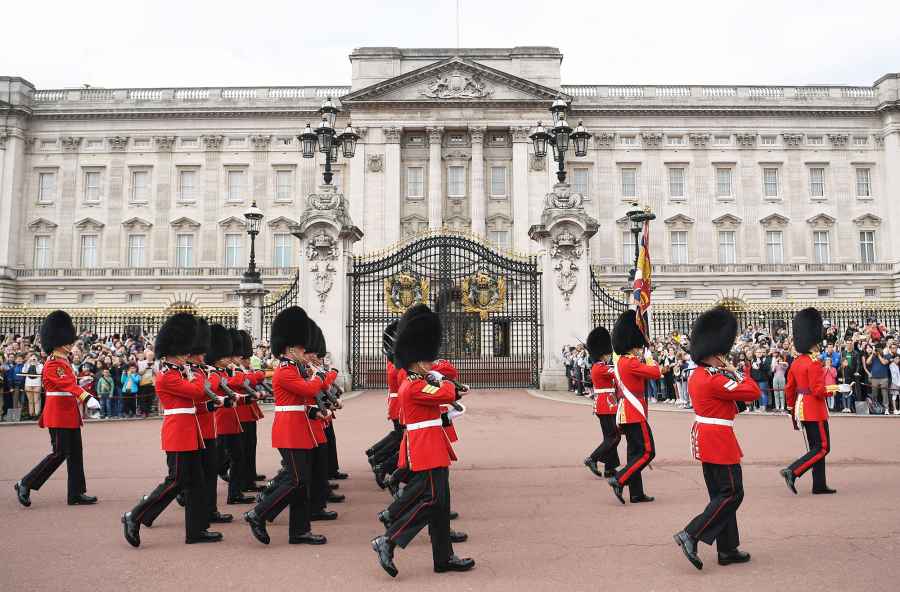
(483, 294)
(403, 290)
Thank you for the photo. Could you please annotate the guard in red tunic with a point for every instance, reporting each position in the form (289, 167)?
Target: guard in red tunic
(606, 403)
(61, 414)
(632, 374)
(181, 437)
(292, 430)
(383, 453)
(248, 412)
(425, 448)
(805, 394)
(718, 393)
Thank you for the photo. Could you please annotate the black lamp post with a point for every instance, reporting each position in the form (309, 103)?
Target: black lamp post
(637, 217)
(326, 138)
(254, 218)
(560, 137)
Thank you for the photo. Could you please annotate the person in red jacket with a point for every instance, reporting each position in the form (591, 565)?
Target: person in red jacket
(606, 403)
(718, 393)
(292, 429)
(381, 455)
(631, 376)
(248, 412)
(805, 394)
(61, 414)
(181, 437)
(425, 448)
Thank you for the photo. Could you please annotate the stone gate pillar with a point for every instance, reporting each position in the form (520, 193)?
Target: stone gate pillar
(326, 235)
(253, 297)
(564, 234)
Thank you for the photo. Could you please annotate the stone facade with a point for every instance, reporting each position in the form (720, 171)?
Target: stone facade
(117, 197)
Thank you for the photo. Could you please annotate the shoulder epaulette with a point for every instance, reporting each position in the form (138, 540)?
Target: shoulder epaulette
(430, 389)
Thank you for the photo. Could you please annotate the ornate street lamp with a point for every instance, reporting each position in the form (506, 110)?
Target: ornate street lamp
(328, 141)
(558, 137)
(254, 218)
(637, 217)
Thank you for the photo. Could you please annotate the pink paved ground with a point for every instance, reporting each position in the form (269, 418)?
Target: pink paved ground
(537, 519)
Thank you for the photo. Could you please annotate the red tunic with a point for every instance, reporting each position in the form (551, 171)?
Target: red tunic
(236, 383)
(633, 374)
(205, 418)
(447, 368)
(713, 395)
(603, 378)
(393, 400)
(180, 431)
(226, 417)
(805, 389)
(62, 395)
(258, 378)
(425, 445)
(292, 427)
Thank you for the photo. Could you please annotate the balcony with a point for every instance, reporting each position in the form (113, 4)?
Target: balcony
(273, 273)
(751, 268)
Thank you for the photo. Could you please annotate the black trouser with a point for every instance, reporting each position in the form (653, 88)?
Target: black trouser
(129, 403)
(319, 490)
(333, 467)
(66, 444)
(237, 473)
(640, 452)
(209, 460)
(608, 452)
(819, 440)
(718, 521)
(248, 439)
(145, 399)
(389, 445)
(426, 501)
(185, 474)
(292, 490)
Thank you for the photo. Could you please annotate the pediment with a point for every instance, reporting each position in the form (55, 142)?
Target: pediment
(136, 223)
(232, 222)
(498, 222)
(184, 222)
(454, 80)
(821, 220)
(89, 223)
(42, 224)
(867, 220)
(726, 219)
(774, 220)
(678, 219)
(281, 222)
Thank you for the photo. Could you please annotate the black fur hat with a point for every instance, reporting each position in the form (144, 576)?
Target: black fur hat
(176, 336)
(317, 343)
(713, 333)
(387, 340)
(57, 330)
(219, 344)
(237, 343)
(625, 334)
(289, 329)
(246, 344)
(201, 341)
(598, 343)
(418, 337)
(807, 329)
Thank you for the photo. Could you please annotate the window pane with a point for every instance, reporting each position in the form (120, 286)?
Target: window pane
(723, 182)
(863, 183)
(821, 246)
(498, 181)
(41, 252)
(415, 182)
(186, 185)
(140, 186)
(282, 252)
(500, 238)
(817, 182)
(581, 180)
(46, 186)
(284, 185)
(91, 186)
(627, 248)
(233, 244)
(184, 250)
(726, 246)
(235, 185)
(89, 250)
(456, 181)
(867, 246)
(774, 250)
(770, 182)
(629, 182)
(676, 182)
(679, 246)
(136, 250)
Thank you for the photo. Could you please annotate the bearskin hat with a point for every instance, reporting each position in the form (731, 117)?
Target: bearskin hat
(57, 330)
(176, 336)
(418, 336)
(237, 343)
(625, 334)
(201, 341)
(713, 333)
(289, 329)
(807, 329)
(599, 343)
(219, 344)
(320, 348)
(387, 340)
(246, 344)
(315, 344)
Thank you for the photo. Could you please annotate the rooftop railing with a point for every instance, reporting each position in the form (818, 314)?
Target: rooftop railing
(149, 272)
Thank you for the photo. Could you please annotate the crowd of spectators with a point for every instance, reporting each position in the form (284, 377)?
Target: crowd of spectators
(862, 360)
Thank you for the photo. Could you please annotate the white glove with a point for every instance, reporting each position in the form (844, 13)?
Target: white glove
(436, 375)
(92, 404)
(453, 413)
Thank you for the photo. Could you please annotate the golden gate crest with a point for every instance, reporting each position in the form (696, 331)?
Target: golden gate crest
(483, 294)
(403, 290)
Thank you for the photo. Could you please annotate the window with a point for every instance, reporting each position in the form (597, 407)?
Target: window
(870, 292)
(141, 143)
(499, 238)
(776, 293)
(498, 181)
(184, 250)
(681, 294)
(581, 179)
(823, 292)
(767, 140)
(628, 248)
(770, 182)
(46, 187)
(814, 140)
(92, 186)
(140, 186)
(186, 184)
(456, 181)
(41, 252)
(233, 244)
(89, 250)
(38, 298)
(863, 182)
(679, 246)
(134, 298)
(774, 247)
(817, 182)
(675, 140)
(237, 141)
(629, 182)
(282, 251)
(86, 298)
(136, 250)
(860, 140)
(723, 182)
(722, 140)
(415, 140)
(457, 140)
(676, 182)
(628, 140)
(237, 185)
(234, 298)
(727, 246)
(867, 246)
(822, 246)
(284, 185)
(415, 182)
(189, 142)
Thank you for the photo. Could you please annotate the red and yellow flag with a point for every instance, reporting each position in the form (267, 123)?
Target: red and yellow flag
(641, 295)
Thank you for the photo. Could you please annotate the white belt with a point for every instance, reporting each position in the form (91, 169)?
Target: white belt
(431, 423)
(290, 407)
(714, 421)
(605, 390)
(59, 394)
(393, 395)
(181, 411)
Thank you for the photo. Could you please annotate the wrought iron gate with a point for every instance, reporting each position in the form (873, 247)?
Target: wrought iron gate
(280, 300)
(605, 306)
(489, 304)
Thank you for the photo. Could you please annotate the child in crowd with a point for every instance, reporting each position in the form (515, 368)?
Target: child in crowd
(830, 379)
(779, 369)
(105, 388)
(846, 383)
(894, 390)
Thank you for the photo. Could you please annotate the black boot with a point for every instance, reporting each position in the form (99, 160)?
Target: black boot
(307, 538)
(642, 499)
(733, 556)
(454, 515)
(385, 518)
(257, 527)
(132, 530)
(23, 494)
(825, 490)
(240, 499)
(323, 515)
(688, 544)
(458, 537)
(455, 564)
(219, 518)
(339, 476)
(789, 479)
(260, 478)
(180, 498)
(333, 486)
(82, 500)
(384, 548)
(609, 473)
(617, 489)
(591, 464)
(205, 536)
(336, 498)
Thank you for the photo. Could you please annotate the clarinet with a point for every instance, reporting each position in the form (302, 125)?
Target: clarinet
(430, 379)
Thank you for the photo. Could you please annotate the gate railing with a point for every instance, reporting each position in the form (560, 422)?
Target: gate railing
(606, 305)
(278, 301)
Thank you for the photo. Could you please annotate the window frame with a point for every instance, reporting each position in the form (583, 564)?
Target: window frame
(633, 170)
(732, 246)
(421, 183)
(868, 181)
(85, 173)
(683, 181)
(35, 262)
(132, 185)
(769, 253)
(130, 249)
(765, 183)
(586, 171)
(277, 173)
(233, 253)
(244, 189)
(193, 171)
(810, 182)
(82, 252)
(277, 249)
(679, 260)
(863, 251)
(816, 246)
(52, 191)
(503, 246)
(188, 249)
(719, 168)
(628, 242)
(462, 181)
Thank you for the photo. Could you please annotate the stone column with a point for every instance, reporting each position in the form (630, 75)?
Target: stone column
(392, 184)
(889, 248)
(435, 178)
(12, 173)
(520, 209)
(252, 299)
(477, 204)
(564, 235)
(357, 198)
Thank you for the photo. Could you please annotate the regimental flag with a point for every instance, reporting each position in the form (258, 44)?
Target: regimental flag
(640, 297)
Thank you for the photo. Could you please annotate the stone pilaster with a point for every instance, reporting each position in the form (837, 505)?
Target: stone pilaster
(392, 184)
(435, 178)
(477, 203)
(253, 297)
(520, 209)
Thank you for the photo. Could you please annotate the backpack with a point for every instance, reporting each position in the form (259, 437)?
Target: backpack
(875, 408)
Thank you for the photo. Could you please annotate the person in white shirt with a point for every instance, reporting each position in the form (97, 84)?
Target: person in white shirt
(894, 391)
(32, 371)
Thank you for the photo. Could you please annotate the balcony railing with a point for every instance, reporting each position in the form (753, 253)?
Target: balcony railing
(766, 268)
(144, 97)
(150, 272)
(588, 94)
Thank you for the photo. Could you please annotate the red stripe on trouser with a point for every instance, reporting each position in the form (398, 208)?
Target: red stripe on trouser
(416, 513)
(642, 461)
(721, 505)
(167, 490)
(289, 491)
(823, 450)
